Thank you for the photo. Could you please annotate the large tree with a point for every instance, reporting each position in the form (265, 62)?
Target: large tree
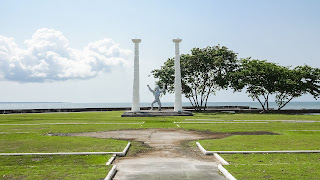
(299, 81)
(263, 79)
(203, 72)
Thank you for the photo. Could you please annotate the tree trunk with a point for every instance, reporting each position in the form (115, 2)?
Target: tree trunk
(206, 101)
(191, 102)
(279, 108)
(262, 105)
(267, 102)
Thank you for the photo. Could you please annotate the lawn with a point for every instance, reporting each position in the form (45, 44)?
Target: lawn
(297, 140)
(29, 143)
(54, 167)
(29, 133)
(273, 166)
(288, 135)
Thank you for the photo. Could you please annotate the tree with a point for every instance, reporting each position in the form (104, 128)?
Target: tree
(203, 72)
(301, 80)
(262, 79)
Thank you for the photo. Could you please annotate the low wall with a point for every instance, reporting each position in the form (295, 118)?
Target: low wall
(210, 109)
(59, 110)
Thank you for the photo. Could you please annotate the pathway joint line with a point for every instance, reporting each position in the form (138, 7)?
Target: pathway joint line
(226, 173)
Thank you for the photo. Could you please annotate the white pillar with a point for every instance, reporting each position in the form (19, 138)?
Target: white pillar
(177, 78)
(136, 96)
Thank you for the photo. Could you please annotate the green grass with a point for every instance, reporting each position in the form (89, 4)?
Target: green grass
(288, 141)
(29, 143)
(85, 117)
(54, 167)
(276, 127)
(281, 166)
(268, 166)
(42, 129)
(273, 166)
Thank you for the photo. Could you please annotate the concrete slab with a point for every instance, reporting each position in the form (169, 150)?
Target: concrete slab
(166, 168)
(153, 113)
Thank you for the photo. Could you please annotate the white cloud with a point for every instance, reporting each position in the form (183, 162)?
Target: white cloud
(48, 57)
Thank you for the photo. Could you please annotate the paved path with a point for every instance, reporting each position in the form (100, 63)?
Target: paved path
(167, 159)
(165, 169)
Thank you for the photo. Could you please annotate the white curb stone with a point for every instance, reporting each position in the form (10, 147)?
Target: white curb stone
(59, 153)
(226, 173)
(201, 148)
(261, 152)
(123, 153)
(220, 159)
(111, 173)
(111, 159)
(253, 152)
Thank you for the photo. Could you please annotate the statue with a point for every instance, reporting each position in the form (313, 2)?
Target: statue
(156, 93)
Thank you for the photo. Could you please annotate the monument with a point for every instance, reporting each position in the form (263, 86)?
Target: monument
(177, 77)
(156, 93)
(136, 97)
(135, 110)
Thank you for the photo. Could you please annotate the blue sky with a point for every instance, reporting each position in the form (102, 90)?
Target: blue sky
(83, 32)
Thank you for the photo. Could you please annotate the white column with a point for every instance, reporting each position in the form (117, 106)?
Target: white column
(177, 78)
(136, 96)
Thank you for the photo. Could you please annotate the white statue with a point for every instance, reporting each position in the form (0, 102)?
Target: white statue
(156, 93)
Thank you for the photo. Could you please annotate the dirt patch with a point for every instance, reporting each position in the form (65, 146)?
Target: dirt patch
(171, 143)
(156, 138)
(166, 143)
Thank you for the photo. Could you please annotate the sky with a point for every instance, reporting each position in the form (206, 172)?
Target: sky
(81, 51)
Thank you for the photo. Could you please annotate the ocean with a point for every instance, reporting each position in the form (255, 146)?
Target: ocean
(60, 105)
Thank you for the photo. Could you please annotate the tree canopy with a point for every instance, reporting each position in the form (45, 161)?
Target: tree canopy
(203, 72)
(262, 79)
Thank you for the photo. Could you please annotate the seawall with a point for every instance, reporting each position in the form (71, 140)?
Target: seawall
(210, 109)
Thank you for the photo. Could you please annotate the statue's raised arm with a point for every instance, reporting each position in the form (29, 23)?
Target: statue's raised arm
(150, 89)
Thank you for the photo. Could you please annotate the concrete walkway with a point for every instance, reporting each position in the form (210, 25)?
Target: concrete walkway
(166, 168)
(167, 158)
